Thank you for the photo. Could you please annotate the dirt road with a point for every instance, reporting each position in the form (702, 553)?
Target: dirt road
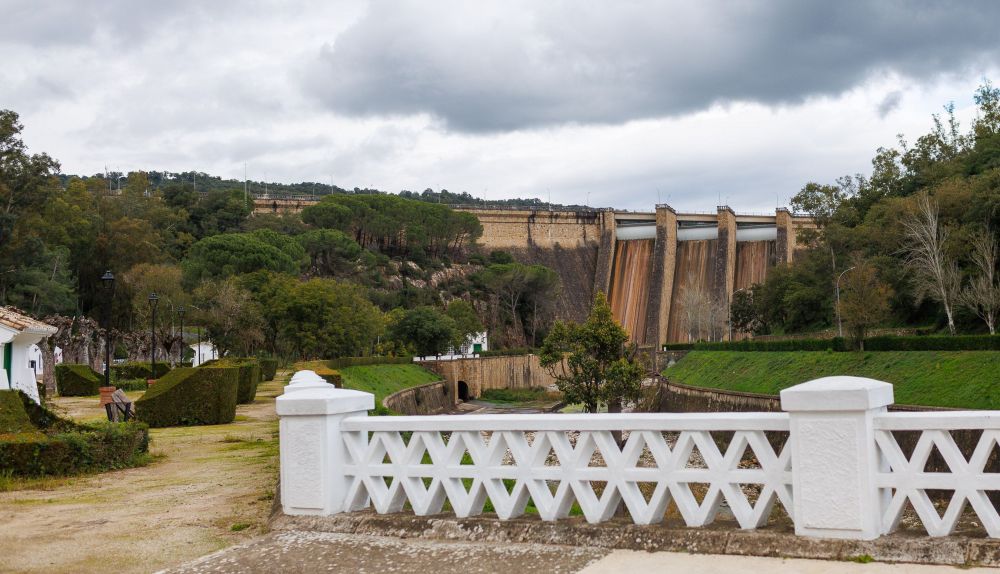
(208, 488)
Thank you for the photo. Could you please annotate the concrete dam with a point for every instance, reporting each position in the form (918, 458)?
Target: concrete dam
(669, 276)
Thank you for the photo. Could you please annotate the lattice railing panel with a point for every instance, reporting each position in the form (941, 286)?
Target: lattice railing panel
(553, 469)
(937, 465)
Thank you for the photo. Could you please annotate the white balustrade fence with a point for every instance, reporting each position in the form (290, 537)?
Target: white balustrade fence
(831, 463)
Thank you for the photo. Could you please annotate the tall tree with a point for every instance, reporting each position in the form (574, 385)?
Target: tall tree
(593, 362)
(864, 301)
(982, 295)
(936, 274)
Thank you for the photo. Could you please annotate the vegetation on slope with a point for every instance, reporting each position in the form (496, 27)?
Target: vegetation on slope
(960, 379)
(383, 380)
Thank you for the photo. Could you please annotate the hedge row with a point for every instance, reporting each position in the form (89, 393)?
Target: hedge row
(509, 352)
(331, 376)
(268, 368)
(138, 370)
(342, 362)
(250, 376)
(103, 446)
(882, 343)
(35, 442)
(190, 396)
(77, 380)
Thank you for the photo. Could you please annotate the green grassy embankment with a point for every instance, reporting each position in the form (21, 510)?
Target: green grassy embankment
(960, 379)
(383, 380)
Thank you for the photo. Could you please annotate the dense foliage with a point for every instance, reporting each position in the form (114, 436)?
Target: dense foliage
(362, 272)
(921, 229)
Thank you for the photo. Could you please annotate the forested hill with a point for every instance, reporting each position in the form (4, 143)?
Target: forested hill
(158, 181)
(354, 274)
(914, 243)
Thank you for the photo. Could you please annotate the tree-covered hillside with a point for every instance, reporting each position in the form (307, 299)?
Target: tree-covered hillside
(914, 243)
(361, 272)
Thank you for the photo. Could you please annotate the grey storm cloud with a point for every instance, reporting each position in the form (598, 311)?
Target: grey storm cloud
(497, 66)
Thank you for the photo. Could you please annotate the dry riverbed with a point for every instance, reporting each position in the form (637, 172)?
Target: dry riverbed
(206, 488)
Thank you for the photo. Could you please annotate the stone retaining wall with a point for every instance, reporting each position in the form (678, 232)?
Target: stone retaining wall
(480, 374)
(430, 399)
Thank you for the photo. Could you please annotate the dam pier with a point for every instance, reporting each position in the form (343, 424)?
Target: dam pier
(668, 275)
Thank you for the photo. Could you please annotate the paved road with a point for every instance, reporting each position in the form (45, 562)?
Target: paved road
(314, 552)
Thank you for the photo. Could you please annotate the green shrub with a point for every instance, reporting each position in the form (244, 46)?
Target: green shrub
(249, 376)
(77, 380)
(331, 376)
(342, 362)
(131, 384)
(881, 343)
(140, 370)
(34, 441)
(268, 368)
(98, 447)
(13, 417)
(189, 396)
(508, 352)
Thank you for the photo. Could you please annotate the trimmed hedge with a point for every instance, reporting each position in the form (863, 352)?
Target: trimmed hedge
(138, 370)
(77, 380)
(881, 343)
(35, 442)
(99, 447)
(331, 376)
(131, 384)
(509, 352)
(190, 396)
(342, 362)
(249, 376)
(268, 368)
(13, 417)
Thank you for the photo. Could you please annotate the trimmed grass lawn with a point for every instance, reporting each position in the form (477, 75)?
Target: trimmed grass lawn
(383, 380)
(961, 379)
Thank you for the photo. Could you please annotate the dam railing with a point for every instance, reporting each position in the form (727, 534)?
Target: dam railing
(832, 464)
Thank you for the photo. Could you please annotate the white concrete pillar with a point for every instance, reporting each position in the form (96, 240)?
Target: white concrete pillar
(312, 449)
(834, 457)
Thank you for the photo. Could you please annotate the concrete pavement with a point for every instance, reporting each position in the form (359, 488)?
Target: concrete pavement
(314, 552)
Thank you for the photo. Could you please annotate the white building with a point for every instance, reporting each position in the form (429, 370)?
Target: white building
(203, 351)
(18, 333)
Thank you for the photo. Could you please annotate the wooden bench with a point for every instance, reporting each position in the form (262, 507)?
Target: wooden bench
(120, 407)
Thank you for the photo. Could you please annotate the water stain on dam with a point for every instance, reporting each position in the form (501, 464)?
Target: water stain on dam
(629, 291)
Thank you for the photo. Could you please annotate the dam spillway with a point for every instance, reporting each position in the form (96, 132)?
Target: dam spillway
(629, 290)
(652, 265)
(693, 289)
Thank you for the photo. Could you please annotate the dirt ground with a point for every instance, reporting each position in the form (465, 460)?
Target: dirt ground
(207, 488)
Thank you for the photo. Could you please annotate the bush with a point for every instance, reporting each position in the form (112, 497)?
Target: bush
(98, 447)
(342, 362)
(140, 370)
(881, 343)
(35, 442)
(268, 368)
(508, 352)
(331, 376)
(77, 380)
(189, 396)
(131, 384)
(249, 376)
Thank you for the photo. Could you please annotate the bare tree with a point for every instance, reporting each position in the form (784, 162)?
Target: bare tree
(982, 295)
(865, 301)
(937, 277)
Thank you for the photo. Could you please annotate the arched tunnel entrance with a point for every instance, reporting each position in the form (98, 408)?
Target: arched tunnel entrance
(463, 391)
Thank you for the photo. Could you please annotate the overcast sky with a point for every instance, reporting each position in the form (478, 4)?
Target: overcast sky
(621, 103)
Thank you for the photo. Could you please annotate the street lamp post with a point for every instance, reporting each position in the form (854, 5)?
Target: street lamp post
(840, 323)
(108, 280)
(180, 313)
(153, 301)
